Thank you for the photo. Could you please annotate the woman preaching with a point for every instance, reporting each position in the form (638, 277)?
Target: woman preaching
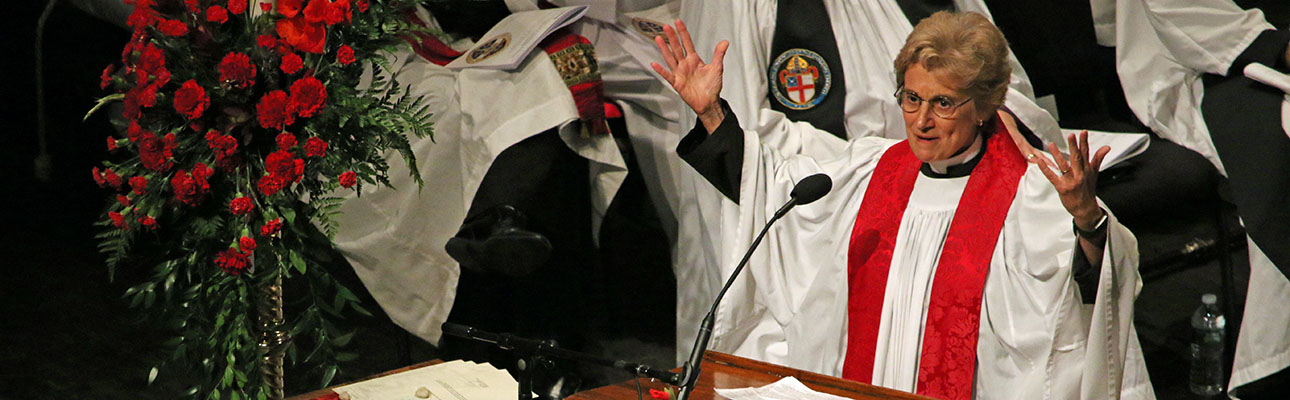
(945, 264)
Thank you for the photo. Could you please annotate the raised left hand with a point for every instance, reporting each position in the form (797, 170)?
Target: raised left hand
(1075, 178)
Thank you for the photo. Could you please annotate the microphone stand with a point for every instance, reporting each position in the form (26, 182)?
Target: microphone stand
(690, 373)
(532, 352)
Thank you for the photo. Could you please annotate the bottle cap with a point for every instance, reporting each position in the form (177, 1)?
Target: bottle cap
(1208, 298)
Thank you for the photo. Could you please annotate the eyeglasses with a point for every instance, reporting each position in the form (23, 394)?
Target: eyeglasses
(942, 106)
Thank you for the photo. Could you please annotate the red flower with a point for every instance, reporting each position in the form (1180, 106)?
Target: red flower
(362, 5)
(142, 96)
(151, 61)
(291, 63)
(328, 12)
(302, 35)
(266, 7)
(308, 96)
(246, 243)
(191, 100)
(284, 165)
(173, 28)
(225, 148)
(98, 177)
(138, 184)
(286, 141)
(237, 7)
(241, 206)
(345, 55)
(118, 220)
(125, 201)
(134, 131)
(273, 110)
(270, 185)
(271, 228)
(142, 16)
(193, 7)
(168, 144)
(191, 188)
(111, 144)
(152, 153)
(348, 179)
(232, 261)
(315, 147)
(105, 78)
(148, 222)
(289, 8)
(216, 14)
(658, 394)
(236, 69)
(113, 179)
(266, 41)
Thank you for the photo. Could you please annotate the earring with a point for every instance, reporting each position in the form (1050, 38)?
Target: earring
(980, 123)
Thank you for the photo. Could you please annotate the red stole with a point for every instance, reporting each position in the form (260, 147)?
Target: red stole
(948, 359)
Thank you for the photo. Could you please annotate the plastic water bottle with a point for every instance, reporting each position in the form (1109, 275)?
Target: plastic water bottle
(1207, 348)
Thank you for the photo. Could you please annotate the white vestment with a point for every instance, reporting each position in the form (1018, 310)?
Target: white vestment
(1163, 47)
(1036, 338)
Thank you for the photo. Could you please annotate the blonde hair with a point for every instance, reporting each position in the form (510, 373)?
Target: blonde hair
(964, 47)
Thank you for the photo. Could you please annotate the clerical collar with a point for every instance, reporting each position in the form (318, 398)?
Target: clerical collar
(959, 165)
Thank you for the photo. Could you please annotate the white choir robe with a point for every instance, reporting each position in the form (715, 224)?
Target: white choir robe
(1036, 338)
(1162, 49)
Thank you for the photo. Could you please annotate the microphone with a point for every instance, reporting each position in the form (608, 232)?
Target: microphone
(807, 190)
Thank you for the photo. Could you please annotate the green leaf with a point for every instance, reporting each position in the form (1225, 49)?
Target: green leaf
(101, 102)
(346, 357)
(296, 261)
(342, 340)
(152, 375)
(329, 375)
(228, 376)
(289, 214)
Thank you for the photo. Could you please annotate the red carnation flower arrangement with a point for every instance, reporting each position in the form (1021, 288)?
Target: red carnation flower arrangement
(242, 125)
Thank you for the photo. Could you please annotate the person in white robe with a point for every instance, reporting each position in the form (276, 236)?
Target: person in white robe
(1020, 331)
(869, 34)
(1181, 64)
(395, 239)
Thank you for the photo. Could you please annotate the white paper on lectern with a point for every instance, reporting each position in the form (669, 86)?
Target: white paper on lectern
(453, 380)
(788, 388)
(523, 30)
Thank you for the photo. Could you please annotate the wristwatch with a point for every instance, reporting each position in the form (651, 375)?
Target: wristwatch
(1098, 230)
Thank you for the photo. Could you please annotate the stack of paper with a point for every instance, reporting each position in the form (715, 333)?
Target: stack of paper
(454, 380)
(788, 388)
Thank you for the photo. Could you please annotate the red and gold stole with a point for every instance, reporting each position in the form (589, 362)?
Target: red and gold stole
(948, 359)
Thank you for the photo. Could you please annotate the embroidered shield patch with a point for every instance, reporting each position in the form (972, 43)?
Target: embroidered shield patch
(648, 28)
(800, 79)
(488, 48)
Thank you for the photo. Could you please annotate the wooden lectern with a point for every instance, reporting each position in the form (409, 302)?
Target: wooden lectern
(728, 372)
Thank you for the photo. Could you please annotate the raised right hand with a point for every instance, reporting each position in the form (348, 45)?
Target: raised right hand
(699, 84)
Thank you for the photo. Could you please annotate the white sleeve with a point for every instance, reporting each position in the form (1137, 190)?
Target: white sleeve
(1204, 35)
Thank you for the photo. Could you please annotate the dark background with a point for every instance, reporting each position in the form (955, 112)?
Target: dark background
(67, 332)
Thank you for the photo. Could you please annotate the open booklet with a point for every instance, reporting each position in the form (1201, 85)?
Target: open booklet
(509, 42)
(453, 380)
